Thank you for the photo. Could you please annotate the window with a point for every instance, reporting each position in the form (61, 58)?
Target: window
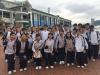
(6, 14)
(0, 13)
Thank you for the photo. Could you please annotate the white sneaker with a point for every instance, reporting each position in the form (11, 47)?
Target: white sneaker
(63, 62)
(14, 58)
(14, 71)
(55, 62)
(40, 67)
(47, 67)
(25, 69)
(10, 72)
(60, 62)
(36, 67)
(68, 64)
(72, 64)
(78, 66)
(93, 60)
(82, 67)
(85, 65)
(28, 61)
(21, 70)
(6, 60)
(51, 67)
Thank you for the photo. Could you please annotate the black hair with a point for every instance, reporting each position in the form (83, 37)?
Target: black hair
(37, 35)
(75, 29)
(23, 34)
(92, 26)
(12, 33)
(70, 35)
(51, 34)
(75, 24)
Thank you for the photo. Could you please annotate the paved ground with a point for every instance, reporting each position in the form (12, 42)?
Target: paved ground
(92, 69)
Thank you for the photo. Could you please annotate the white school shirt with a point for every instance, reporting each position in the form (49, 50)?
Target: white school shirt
(44, 35)
(18, 35)
(56, 34)
(94, 39)
(79, 44)
(84, 34)
(33, 36)
(8, 35)
(10, 48)
(30, 40)
(50, 44)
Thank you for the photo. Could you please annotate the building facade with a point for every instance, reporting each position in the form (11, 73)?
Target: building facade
(95, 22)
(23, 14)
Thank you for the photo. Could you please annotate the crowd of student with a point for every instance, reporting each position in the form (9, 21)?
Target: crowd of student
(56, 45)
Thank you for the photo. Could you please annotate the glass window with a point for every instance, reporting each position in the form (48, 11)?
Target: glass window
(0, 13)
(6, 14)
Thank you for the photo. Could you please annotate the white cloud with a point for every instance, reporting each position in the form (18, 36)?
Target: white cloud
(76, 10)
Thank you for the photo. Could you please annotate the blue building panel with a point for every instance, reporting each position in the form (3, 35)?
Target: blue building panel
(35, 23)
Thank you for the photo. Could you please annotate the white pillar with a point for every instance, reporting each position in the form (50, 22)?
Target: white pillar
(12, 18)
(22, 16)
(2, 14)
(31, 19)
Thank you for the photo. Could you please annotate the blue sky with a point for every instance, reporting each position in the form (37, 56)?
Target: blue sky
(80, 11)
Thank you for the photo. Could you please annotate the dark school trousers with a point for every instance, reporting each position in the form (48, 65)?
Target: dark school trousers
(23, 60)
(80, 58)
(61, 54)
(48, 59)
(11, 62)
(70, 57)
(37, 61)
(94, 51)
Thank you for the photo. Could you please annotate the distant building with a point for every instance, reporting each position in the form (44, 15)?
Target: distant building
(22, 13)
(95, 22)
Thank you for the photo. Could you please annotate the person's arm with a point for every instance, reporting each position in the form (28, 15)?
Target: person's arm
(86, 44)
(56, 43)
(52, 46)
(42, 44)
(33, 49)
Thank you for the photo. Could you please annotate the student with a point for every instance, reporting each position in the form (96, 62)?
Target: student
(7, 34)
(10, 53)
(75, 26)
(1, 36)
(74, 32)
(66, 29)
(22, 47)
(50, 30)
(60, 46)
(37, 30)
(37, 46)
(80, 45)
(70, 49)
(33, 33)
(44, 34)
(29, 52)
(18, 33)
(48, 51)
(83, 33)
(55, 35)
(79, 26)
(94, 39)
(44, 37)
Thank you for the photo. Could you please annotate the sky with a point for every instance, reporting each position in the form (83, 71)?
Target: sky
(79, 11)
